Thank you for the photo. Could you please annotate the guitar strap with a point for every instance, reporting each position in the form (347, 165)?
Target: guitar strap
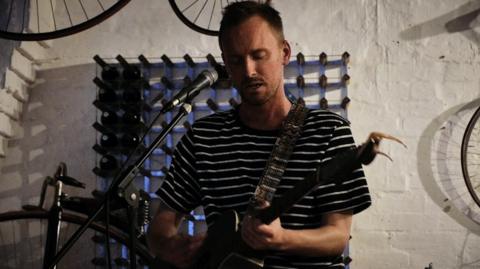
(277, 162)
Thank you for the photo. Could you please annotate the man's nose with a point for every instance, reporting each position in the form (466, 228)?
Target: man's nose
(250, 68)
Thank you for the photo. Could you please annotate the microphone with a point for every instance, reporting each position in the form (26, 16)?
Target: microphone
(205, 79)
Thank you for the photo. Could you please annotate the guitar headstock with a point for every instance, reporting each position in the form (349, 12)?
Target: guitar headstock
(368, 150)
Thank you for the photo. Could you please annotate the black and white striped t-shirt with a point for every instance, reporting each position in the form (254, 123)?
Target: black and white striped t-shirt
(219, 162)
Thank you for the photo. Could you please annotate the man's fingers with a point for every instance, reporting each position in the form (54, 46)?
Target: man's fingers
(260, 228)
(264, 230)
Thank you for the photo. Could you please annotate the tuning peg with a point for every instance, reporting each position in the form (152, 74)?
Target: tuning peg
(345, 102)
(109, 118)
(106, 93)
(187, 80)
(108, 163)
(233, 102)
(155, 99)
(211, 60)
(145, 172)
(212, 105)
(187, 125)
(345, 79)
(164, 170)
(108, 140)
(300, 82)
(144, 61)
(345, 58)
(167, 83)
(323, 81)
(163, 102)
(324, 103)
(189, 60)
(300, 59)
(323, 59)
(109, 73)
(166, 149)
(167, 61)
(130, 72)
(164, 124)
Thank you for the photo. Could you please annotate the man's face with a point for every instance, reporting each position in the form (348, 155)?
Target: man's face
(255, 57)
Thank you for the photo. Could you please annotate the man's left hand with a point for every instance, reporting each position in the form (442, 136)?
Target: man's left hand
(261, 236)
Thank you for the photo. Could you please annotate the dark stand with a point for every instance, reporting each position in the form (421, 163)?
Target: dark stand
(124, 189)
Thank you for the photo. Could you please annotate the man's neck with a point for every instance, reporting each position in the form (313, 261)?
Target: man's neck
(268, 116)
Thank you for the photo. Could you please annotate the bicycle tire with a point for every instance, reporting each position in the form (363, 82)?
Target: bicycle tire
(21, 35)
(470, 156)
(192, 21)
(22, 235)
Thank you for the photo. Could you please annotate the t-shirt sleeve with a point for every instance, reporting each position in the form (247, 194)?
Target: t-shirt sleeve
(180, 189)
(352, 192)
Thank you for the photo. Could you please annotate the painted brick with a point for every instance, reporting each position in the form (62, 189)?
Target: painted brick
(10, 105)
(471, 250)
(395, 221)
(16, 86)
(379, 258)
(46, 43)
(22, 66)
(424, 247)
(33, 51)
(8, 127)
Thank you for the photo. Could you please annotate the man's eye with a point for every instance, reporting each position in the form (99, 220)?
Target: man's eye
(259, 55)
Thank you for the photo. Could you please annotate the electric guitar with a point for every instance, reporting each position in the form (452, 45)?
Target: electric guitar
(224, 248)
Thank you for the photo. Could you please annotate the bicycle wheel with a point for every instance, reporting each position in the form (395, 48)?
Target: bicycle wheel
(22, 239)
(470, 156)
(202, 16)
(33, 20)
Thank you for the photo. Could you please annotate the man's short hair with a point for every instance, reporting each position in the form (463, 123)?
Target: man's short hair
(238, 12)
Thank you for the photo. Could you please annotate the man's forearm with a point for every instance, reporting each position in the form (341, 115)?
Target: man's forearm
(327, 240)
(324, 241)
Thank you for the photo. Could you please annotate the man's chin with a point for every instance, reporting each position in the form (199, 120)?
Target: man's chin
(252, 101)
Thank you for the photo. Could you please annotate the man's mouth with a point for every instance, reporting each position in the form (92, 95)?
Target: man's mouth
(253, 85)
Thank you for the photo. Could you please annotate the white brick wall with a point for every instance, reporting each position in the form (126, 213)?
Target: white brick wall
(33, 51)
(22, 66)
(409, 76)
(18, 77)
(16, 86)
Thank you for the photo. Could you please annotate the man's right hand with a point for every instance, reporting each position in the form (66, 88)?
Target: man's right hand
(181, 250)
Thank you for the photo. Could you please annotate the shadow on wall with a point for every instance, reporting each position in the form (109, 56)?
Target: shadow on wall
(10, 14)
(463, 19)
(57, 126)
(439, 167)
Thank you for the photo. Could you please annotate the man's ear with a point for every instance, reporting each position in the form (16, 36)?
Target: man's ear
(287, 51)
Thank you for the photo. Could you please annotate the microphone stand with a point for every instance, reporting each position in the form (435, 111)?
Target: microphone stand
(124, 189)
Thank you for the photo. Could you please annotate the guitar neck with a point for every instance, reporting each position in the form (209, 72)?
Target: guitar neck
(334, 171)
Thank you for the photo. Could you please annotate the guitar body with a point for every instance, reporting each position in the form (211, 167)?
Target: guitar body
(224, 248)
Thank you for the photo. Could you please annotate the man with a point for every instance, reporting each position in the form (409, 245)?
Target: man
(219, 162)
